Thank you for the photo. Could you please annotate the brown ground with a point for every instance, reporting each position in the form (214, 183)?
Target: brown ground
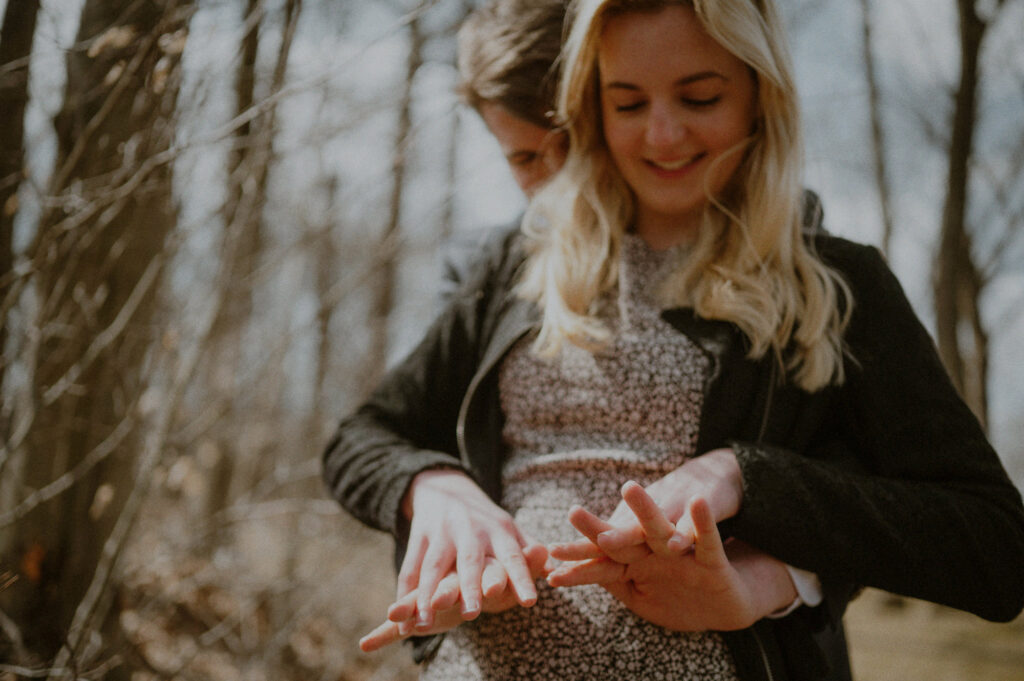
(906, 640)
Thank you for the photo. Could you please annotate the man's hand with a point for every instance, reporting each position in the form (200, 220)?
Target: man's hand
(707, 588)
(714, 476)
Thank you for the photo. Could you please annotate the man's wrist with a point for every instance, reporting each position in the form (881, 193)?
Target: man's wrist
(727, 468)
(808, 591)
(773, 588)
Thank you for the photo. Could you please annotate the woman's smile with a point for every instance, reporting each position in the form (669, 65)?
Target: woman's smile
(670, 169)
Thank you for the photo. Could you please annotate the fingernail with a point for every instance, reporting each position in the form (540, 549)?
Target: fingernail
(676, 543)
(423, 619)
(471, 607)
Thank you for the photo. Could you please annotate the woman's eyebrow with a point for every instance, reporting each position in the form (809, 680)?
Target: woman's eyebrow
(685, 80)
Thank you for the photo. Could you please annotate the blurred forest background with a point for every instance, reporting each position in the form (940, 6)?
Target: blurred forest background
(220, 220)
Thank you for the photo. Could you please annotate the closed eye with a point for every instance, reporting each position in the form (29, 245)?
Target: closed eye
(698, 103)
(635, 106)
(522, 158)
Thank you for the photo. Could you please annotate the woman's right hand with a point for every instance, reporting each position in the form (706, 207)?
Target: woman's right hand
(456, 528)
(498, 596)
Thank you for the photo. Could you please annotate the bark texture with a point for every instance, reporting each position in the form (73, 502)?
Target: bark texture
(97, 260)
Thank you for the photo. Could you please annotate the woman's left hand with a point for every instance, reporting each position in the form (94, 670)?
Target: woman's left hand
(714, 476)
(712, 587)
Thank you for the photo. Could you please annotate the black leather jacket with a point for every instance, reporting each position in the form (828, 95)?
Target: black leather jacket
(886, 481)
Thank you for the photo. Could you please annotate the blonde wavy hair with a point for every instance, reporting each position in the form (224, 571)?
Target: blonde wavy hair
(750, 265)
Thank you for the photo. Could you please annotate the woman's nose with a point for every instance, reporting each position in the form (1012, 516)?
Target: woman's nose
(665, 128)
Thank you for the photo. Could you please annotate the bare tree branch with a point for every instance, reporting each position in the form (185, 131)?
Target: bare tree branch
(103, 340)
(73, 476)
(878, 145)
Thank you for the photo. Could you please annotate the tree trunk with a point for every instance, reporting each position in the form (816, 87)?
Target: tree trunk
(877, 131)
(16, 37)
(242, 216)
(444, 231)
(325, 267)
(243, 244)
(387, 264)
(240, 250)
(97, 262)
(452, 178)
(957, 283)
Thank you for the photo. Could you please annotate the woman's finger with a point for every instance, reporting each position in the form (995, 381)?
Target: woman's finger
(657, 528)
(403, 609)
(599, 571)
(437, 563)
(509, 553)
(447, 593)
(536, 555)
(588, 524)
(626, 531)
(684, 537)
(409, 574)
(584, 549)
(494, 579)
(385, 634)
(581, 549)
(708, 548)
(626, 555)
(623, 536)
(594, 529)
(470, 566)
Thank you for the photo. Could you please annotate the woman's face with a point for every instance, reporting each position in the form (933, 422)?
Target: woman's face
(672, 101)
(533, 153)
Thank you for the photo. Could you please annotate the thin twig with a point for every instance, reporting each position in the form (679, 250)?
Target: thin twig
(99, 453)
(103, 339)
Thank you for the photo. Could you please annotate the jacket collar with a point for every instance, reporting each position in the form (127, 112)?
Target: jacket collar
(717, 338)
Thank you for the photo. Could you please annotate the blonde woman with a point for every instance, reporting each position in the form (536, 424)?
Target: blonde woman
(755, 410)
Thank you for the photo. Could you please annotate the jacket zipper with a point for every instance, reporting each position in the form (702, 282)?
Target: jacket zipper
(760, 438)
(768, 402)
(764, 655)
(460, 424)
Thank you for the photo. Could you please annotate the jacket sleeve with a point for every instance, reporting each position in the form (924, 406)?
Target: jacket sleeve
(929, 512)
(408, 424)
